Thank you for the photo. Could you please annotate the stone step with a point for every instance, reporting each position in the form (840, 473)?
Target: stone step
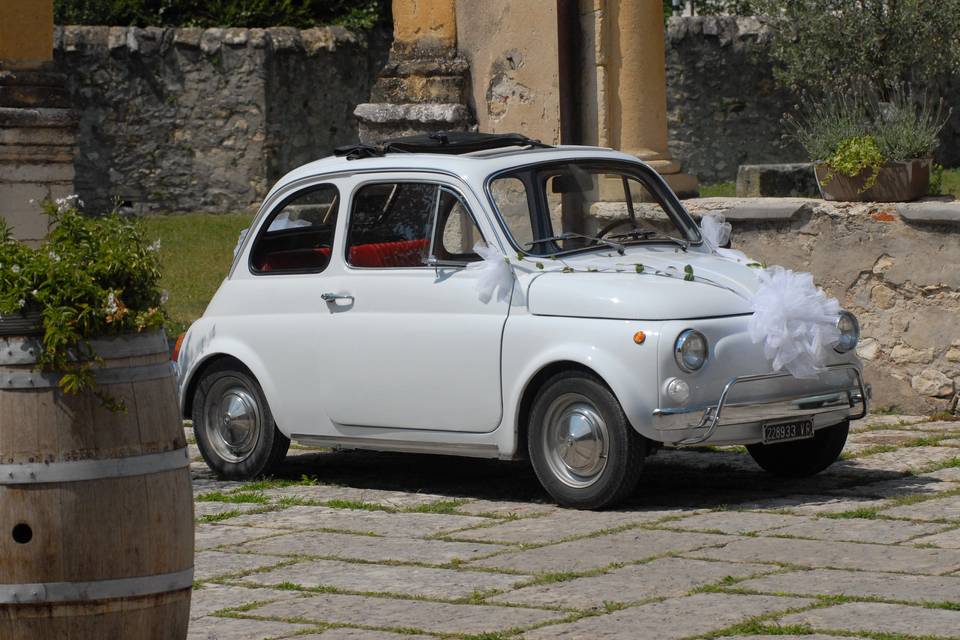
(418, 89)
(30, 96)
(379, 121)
(425, 67)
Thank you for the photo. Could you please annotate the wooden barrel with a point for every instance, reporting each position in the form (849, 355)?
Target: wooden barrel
(96, 510)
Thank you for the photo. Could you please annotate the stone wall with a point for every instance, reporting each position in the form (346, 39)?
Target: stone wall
(724, 108)
(894, 267)
(205, 120)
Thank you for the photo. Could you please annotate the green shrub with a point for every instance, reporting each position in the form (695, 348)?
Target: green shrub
(902, 127)
(92, 277)
(825, 46)
(221, 13)
(855, 155)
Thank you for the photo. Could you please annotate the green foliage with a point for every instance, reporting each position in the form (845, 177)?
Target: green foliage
(718, 190)
(903, 126)
(92, 277)
(826, 46)
(855, 155)
(936, 179)
(361, 14)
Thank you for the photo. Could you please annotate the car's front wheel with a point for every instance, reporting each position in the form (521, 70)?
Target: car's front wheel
(584, 451)
(234, 427)
(802, 458)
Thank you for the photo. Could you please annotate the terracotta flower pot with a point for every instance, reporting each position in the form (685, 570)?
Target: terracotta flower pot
(897, 182)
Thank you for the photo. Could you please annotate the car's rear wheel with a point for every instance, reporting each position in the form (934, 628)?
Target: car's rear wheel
(234, 427)
(584, 451)
(802, 458)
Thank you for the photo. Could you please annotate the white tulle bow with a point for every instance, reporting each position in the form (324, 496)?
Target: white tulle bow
(795, 321)
(715, 231)
(496, 276)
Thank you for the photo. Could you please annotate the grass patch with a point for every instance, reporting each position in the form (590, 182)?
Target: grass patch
(448, 507)
(720, 190)
(244, 497)
(866, 513)
(196, 251)
(356, 504)
(951, 183)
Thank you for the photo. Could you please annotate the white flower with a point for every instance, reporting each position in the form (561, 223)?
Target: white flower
(22, 303)
(112, 303)
(53, 256)
(34, 293)
(70, 201)
(155, 246)
(164, 296)
(15, 268)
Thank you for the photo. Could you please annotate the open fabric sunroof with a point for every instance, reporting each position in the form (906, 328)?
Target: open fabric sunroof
(453, 142)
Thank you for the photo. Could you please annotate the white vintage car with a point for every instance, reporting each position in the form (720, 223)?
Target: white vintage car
(359, 313)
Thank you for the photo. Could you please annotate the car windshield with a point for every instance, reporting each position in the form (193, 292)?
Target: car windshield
(559, 207)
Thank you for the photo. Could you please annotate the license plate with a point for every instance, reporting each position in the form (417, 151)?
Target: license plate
(786, 431)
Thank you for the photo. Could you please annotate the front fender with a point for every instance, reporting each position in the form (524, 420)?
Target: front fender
(606, 347)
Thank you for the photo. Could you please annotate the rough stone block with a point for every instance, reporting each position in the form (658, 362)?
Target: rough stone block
(881, 618)
(408, 614)
(931, 382)
(930, 212)
(671, 619)
(889, 586)
(772, 211)
(777, 180)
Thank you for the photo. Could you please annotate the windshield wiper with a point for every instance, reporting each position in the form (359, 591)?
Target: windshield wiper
(683, 244)
(569, 235)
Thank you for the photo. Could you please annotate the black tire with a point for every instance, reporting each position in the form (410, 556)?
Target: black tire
(802, 458)
(613, 476)
(261, 452)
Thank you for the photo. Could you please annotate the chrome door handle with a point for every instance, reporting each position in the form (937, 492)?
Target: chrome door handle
(333, 297)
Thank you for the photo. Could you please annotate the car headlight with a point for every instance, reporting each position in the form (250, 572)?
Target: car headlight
(690, 350)
(849, 332)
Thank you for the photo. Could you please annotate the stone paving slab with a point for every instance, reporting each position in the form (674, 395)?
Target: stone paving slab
(219, 508)
(841, 555)
(210, 628)
(949, 539)
(211, 564)
(858, 530)
(820, 505)
(208, 536)
(213, 597)
(402, 580)
(506, 508)
(394, 613)
(371, 548)
(346, 633)
(661, 578)
(938, 509)
(811, 636)
(733, 522)
(327, 492)
(557, 526)
(899, 487)
(671, 619)
(903, 460)
(949, 474)
(592, 553)
(881, 618)
(381, 523)
(888, 586)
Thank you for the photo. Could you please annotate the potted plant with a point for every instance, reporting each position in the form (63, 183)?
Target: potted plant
(91, 413)
(871, 150)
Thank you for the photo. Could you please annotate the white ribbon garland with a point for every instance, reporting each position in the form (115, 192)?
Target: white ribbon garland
(496, 276)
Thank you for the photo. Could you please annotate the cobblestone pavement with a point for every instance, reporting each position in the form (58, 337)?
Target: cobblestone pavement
(351, 545)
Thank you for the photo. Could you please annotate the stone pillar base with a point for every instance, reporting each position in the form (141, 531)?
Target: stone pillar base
(422, 89)
(37, 145)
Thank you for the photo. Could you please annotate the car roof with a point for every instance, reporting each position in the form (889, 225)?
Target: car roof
(470, 167)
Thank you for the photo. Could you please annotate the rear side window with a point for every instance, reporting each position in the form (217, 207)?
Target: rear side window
(390, 224)
(298, 235)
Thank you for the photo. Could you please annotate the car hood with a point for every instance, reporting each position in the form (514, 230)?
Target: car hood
(721, 287)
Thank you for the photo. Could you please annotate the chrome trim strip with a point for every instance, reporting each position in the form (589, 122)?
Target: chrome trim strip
(50, 592)
(83, 470)
(13, 379)
(778, 408)
(382, 444)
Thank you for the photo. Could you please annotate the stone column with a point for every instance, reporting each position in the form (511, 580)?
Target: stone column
(422, 87)
(37, 128)
(631, 52)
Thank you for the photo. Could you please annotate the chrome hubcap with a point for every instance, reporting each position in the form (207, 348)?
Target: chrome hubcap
(234, 421)
(575, 440)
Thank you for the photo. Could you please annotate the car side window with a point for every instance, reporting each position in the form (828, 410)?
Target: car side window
(298, 235)
(456, 231)
(391, 226)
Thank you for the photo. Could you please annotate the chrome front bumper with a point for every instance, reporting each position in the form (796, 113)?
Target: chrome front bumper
(848, 403)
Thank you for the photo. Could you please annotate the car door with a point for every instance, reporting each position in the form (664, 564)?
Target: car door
(414, 346)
